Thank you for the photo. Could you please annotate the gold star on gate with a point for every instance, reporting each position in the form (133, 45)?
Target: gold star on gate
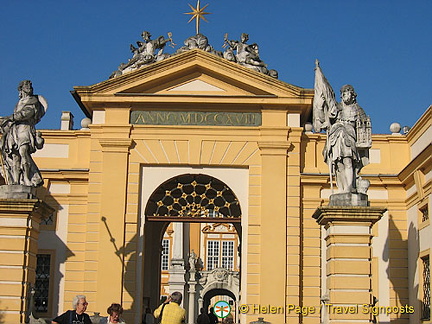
(198, 13)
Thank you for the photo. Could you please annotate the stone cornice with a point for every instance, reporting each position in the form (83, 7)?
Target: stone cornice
(376, 138)
(423, 160)
(420, 126)
(188, 57)
(375, 179)
(274, 147)
(25, 206)
(137, 88)
(330, 214)
(119, 145)
(62, 134)
(66, 174)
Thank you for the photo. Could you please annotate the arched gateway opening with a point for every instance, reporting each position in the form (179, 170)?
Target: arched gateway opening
(192, 236)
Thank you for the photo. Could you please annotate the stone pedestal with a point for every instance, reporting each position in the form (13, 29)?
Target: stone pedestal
(192, 291)
(177, 273)
(348, 261)
(177, 270)
(349, 199)
(17, 192)
(19, 231)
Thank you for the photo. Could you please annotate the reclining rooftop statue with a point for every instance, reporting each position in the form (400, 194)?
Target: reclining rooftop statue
(152, 50)
(148, 51)
(246, 55)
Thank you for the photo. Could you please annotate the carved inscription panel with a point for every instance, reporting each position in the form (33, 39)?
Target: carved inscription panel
(196, 118)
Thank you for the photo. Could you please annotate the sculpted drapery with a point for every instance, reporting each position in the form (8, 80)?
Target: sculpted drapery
(20, 139)
(348, 133)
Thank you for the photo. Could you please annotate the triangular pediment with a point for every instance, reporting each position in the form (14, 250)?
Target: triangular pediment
(196, 86)
(192, 74)
(196, 80)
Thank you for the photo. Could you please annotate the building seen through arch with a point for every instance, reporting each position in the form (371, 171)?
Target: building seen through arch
(205, 242)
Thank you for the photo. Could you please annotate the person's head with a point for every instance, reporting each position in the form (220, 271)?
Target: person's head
(176, 297)
(146, 35)
(348, 95)
(202, 41)
(25, 87)
(202, 311)
(244, 37)
(79, 304)
(115, 311)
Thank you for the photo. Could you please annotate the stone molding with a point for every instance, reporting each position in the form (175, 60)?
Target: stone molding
(25, 206)
(116, 145)
(324, 215)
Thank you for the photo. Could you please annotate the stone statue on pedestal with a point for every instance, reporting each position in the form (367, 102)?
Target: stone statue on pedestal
(192, 261)
(19, 138)
(348, 134)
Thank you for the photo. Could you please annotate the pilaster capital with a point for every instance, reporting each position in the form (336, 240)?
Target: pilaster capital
(331, 214)
(119, 145)
(274, 147)
(34, 207)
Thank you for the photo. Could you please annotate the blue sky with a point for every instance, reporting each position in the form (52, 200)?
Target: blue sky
(382, 47)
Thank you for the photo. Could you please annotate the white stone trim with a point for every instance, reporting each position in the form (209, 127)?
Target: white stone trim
(51, 150)
(293, 120)
(348, 229)
(421, 143)
(375, 155)
(98, 117)
(59, 188)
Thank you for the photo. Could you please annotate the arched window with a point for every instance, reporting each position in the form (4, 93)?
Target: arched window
(193, 196)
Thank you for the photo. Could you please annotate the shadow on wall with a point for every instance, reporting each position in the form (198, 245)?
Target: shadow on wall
(63, 253)
(401, 255)
(127, 251)
(1, 314)
(128, 255)
(49, 240)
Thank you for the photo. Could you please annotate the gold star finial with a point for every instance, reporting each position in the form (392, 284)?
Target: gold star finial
(197, 13)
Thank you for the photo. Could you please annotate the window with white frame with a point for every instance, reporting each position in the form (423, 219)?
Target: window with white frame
(220, 254)
(228, 255)
(212, 254)
(165, 254)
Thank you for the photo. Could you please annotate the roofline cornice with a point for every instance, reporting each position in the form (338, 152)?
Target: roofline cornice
(420, 126)
(190, 57)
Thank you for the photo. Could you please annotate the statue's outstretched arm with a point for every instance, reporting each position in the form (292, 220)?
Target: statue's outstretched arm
(231, 43)
(24, 114)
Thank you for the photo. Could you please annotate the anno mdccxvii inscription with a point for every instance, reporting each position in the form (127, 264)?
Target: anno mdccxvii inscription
(195, 118)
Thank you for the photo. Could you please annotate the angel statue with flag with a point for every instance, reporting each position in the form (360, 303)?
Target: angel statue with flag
(19, 139)
(348, 131)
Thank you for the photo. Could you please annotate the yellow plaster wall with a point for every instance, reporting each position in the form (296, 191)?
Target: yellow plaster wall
(95, 268)
(287, 176)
